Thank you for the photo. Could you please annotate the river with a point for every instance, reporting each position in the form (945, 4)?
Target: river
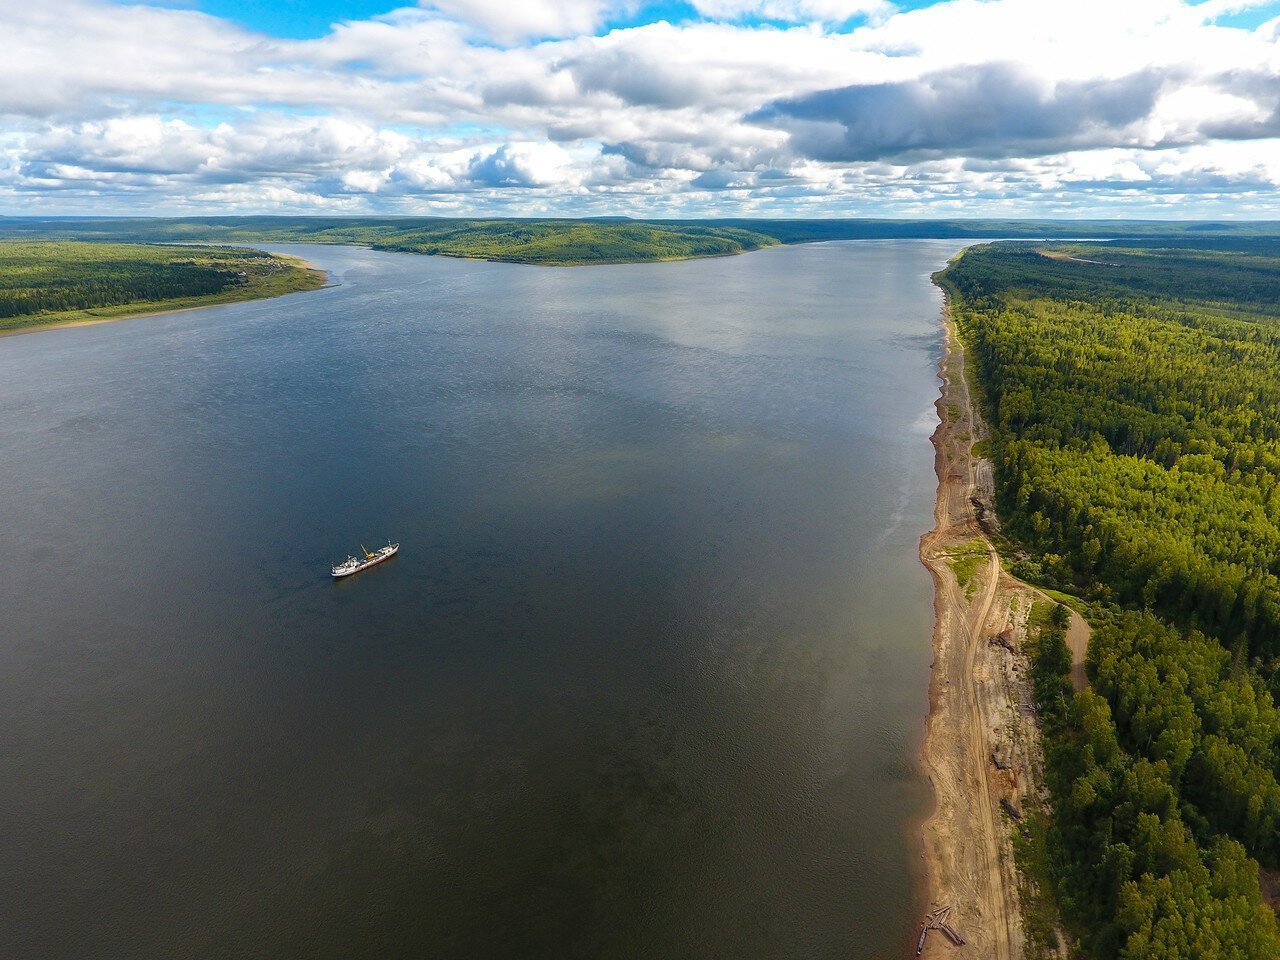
(646, 680)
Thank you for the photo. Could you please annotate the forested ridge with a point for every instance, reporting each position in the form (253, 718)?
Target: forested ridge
(42, 281)
(559, 241)
(1134, 399)
(546, 242)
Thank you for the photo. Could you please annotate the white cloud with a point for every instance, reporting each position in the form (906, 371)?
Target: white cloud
(522, 165)
(272, 145)
(510, 22)
(1000, 109)
(794, 11)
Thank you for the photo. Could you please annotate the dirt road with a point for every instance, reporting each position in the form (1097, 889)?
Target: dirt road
(1078, 632)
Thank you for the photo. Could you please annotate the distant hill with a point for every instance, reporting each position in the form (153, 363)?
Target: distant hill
(549, 242)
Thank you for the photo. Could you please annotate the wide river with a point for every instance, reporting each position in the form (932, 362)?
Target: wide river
(646, 680)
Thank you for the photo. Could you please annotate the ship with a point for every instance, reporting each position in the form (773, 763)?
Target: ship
(355, 564)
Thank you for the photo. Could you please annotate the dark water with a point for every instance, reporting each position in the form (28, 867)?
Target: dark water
(645, 681)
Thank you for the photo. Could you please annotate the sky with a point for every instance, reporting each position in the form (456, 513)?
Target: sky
(677, 108)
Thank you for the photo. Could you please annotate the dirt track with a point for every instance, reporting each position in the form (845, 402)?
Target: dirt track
(981, 743)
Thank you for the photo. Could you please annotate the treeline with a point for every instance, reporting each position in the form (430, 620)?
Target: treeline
(1134, 398)
(1228, 272)
(457, 233)
(572, 242)
(40, 278)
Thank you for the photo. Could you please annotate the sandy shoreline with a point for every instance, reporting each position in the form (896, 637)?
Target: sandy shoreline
(974, 698)
(981, 750)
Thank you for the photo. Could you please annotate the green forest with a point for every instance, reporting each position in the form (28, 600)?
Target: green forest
(1133, 394)
(545, 242)
(46, 282)
(574, 242)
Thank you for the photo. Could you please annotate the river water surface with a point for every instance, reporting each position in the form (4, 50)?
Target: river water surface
(645, 681)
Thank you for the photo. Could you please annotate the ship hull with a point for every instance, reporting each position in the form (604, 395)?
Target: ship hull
(340, 573)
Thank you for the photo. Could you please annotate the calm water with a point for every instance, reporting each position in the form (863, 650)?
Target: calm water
(646, 680)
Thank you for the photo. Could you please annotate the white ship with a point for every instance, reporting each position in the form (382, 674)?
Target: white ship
(355, 564)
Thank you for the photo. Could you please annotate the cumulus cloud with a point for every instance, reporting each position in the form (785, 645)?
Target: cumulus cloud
(511, 22)
(521, 165)
(1259, 114)
(287, 157)
(298, 147)
(997, 109)
(795, 11)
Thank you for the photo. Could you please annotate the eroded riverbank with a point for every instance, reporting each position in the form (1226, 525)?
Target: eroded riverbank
(968, 861)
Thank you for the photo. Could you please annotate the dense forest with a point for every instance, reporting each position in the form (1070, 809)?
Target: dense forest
(574, 242)
(601, 240)
(1134, 398)
(1146, 867)
(53, 281)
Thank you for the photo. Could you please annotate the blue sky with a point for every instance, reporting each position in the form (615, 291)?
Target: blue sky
(309, 19)
(1147, 108)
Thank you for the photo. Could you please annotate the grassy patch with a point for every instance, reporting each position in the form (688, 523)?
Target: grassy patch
(1040, 913)
(964, 564)
(1067, 600)
(1040, 611)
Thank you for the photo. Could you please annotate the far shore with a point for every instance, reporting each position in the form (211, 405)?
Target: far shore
(99, 315)
(90, 318)
(632, 261)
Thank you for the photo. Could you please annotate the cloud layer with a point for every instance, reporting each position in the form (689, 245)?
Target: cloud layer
(745, 107)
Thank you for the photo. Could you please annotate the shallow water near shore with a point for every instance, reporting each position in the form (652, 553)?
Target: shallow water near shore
(646, 680)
